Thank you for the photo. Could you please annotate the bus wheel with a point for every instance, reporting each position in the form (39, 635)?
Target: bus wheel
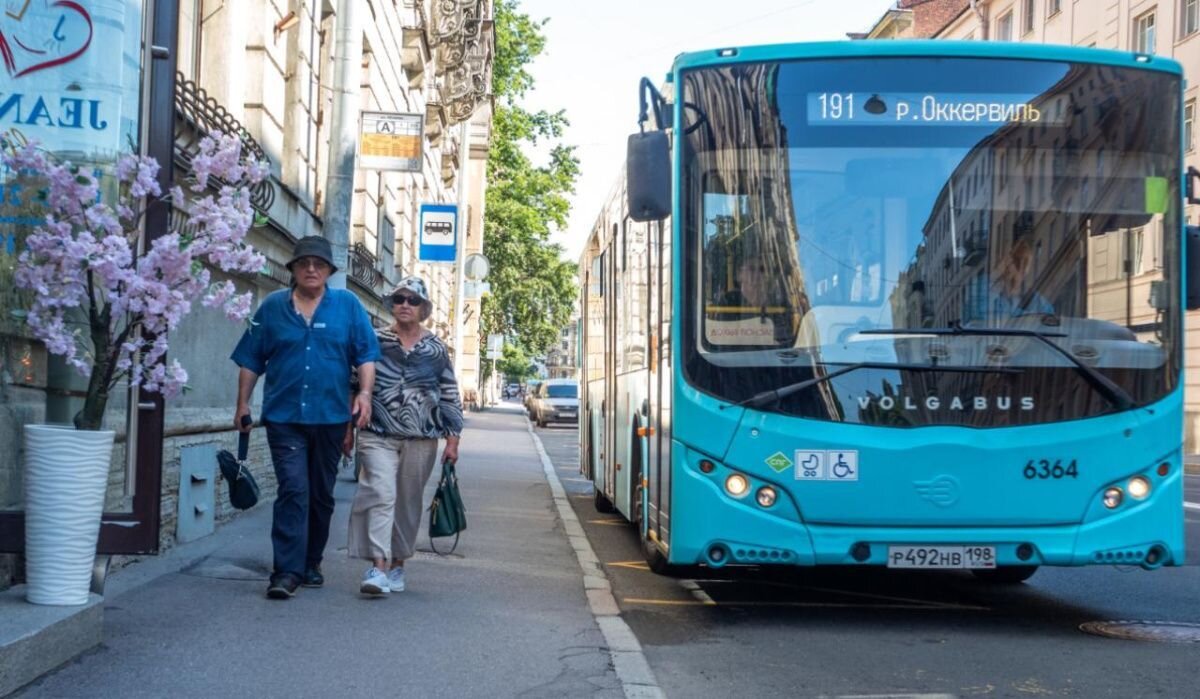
(603, 504)
(657, 561)
(636, 510)
(636, 490)
(1004, 575)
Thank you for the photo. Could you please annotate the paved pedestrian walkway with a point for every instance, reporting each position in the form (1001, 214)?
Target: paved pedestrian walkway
(505, 616)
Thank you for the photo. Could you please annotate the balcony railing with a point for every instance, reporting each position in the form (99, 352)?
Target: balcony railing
(198, 115)
(364, 267)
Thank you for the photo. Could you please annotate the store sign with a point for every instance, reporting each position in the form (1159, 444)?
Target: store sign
(439, 233)
(391, 141)
(64, 66)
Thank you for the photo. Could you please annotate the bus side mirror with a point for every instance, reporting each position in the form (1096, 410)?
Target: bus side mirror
(1191, 269)
(648, 176)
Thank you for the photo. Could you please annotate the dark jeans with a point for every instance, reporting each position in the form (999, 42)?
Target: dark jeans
(306, 463)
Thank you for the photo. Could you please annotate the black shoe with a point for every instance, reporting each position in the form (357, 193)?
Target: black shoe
(313, 577)
(282, 586)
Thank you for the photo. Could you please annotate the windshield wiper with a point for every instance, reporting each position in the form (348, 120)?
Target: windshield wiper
(767, 397)
(1104, 385)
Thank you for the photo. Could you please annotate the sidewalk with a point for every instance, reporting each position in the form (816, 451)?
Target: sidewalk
(506, 615)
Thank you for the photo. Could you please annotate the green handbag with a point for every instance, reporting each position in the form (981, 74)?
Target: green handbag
(447, 516)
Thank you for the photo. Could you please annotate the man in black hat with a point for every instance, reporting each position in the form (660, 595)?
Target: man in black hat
(306, 340)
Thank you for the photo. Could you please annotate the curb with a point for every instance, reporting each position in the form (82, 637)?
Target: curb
(36, 640)
(629, 662)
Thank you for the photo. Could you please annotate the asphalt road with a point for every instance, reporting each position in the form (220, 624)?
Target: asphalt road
(875, 633)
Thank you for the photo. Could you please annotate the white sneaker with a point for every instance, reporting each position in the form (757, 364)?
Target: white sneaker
(374, 582)
(395, 578)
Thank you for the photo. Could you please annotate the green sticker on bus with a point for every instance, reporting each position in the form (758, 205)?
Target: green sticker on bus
(779, 462)
(1156, 195)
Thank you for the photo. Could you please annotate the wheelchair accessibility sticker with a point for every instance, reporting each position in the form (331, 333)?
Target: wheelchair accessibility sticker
(827, 465)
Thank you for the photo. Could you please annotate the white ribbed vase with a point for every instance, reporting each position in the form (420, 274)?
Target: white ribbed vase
(66, 475)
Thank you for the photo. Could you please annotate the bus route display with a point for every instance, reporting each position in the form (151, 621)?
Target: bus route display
(917, 109)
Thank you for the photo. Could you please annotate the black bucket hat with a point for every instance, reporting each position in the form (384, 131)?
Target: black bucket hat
(312, 246)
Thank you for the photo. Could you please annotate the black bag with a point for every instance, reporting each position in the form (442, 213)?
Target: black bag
(243, 489)
(447, 516)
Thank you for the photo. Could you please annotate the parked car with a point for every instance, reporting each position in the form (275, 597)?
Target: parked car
(512, 389)
(531, 390)
(557, 400)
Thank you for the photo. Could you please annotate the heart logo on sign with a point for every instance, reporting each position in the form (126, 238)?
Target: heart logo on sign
(29, 43)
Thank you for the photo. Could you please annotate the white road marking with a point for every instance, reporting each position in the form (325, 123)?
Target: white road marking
(629, 662)
(693, 587)
(1192, 505)
(892, 601)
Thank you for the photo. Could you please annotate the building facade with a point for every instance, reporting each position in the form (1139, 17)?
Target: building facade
(562, 360)
(914, 19)
(262, 70)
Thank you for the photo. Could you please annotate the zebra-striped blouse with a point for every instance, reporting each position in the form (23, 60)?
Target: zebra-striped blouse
(416, 394)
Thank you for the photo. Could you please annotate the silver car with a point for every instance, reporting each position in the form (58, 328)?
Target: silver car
(556, 400)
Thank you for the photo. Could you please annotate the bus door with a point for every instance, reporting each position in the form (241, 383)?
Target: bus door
(608, 423)
(653, 378)
(586, 463)
(666, 381)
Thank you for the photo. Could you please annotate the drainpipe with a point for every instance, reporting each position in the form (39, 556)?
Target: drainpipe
(460, 256)
(343, 136)
(981, 13)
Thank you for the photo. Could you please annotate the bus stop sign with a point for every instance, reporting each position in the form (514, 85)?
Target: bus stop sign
(439, 233)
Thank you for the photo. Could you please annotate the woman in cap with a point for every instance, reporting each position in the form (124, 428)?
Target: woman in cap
(415, 402)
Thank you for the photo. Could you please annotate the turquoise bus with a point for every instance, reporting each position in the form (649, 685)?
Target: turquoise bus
(903, 304)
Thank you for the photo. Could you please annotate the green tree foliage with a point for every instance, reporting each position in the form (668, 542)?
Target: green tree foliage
(532, 288)
(515, 364)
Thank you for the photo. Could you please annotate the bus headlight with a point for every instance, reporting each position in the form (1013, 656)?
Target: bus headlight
(766, 496)
(1113, 497)
(1138, 488)
(737, 485)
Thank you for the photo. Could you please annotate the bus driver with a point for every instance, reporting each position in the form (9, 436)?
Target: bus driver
(757, 296)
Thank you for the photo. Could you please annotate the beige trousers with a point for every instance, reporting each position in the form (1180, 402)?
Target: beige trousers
(387, 507)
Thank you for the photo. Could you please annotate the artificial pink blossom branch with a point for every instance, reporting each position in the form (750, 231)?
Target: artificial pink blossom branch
(89, 253)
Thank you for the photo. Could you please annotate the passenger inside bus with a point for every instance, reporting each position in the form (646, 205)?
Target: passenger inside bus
(756, 295)
(1007, 298)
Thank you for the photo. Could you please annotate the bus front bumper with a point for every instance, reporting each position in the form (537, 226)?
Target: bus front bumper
(710, 528)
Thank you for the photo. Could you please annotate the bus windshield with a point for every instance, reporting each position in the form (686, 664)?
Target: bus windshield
(833, 210)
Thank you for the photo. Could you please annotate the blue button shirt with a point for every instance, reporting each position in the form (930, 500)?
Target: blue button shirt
(307, 366)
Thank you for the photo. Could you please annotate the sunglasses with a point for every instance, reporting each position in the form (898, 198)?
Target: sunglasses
(311, 262)
(404, 298)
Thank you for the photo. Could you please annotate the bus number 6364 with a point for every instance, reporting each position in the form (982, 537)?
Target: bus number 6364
(1042, 469)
